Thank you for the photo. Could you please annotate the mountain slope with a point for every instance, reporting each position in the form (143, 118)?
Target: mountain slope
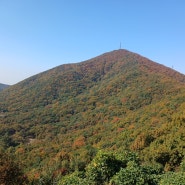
(119, 100)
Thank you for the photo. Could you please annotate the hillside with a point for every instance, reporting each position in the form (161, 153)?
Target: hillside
(3, 86)
(116, 101)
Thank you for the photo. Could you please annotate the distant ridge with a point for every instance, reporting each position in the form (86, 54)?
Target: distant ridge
(3, 86)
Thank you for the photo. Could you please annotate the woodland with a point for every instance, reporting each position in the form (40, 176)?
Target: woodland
(116, 119)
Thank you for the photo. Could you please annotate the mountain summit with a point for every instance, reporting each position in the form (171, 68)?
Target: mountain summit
(118, 100)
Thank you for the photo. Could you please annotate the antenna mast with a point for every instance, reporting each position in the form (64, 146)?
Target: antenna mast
(120, 46)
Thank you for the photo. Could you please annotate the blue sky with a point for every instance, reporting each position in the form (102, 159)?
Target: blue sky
(36, 35)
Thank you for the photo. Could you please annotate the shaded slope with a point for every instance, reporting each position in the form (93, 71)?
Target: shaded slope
(117, 100)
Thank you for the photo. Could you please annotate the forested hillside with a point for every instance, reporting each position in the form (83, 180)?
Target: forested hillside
(56, 122)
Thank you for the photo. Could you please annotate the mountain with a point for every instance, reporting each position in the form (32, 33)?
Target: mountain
(116, 101)
(3, 86)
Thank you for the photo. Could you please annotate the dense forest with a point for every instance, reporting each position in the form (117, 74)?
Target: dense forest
(118, 118)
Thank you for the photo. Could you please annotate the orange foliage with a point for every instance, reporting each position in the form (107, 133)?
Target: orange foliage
(79, 142)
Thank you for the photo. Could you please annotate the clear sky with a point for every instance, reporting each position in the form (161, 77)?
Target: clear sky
(36, 35)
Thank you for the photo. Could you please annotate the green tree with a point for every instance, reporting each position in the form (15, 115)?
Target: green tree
(103, 167)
